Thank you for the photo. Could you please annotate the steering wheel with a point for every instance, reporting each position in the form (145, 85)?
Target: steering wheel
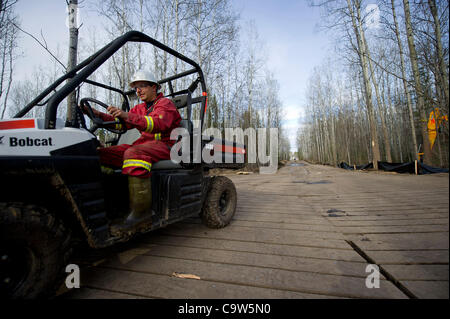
(98, 122)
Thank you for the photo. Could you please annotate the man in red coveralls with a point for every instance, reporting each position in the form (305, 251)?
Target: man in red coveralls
(154, 118)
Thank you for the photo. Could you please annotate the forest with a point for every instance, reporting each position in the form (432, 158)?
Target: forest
(383, 94)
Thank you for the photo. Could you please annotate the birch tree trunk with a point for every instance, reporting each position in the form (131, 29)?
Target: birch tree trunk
(387, 144)
(166, 29)
(405, 83)
(175, 40)
(8, 42)
(442, 66)
(141, 28)
(72, 60)
(418, 85)
(384, 116)
(359, 33)
(199, 36)
(333, 141)
(124, 48)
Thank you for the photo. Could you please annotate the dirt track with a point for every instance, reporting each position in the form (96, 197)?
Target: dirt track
(308, 231)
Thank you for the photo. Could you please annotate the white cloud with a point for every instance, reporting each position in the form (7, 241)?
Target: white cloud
(292, 112)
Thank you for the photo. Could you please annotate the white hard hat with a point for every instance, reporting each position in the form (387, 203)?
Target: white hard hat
(142, 75)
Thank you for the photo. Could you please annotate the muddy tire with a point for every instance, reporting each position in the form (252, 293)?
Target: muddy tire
(34, 249)
(220, 203)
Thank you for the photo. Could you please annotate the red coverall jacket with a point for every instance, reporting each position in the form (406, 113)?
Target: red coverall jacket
(155, 122)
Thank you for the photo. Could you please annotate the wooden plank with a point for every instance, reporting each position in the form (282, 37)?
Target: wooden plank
(428, 289)
(383, 212)
(396, 211)
(164, 286)
(276, 237)
(263, 216)
(410, 257)
(382, 200)
(273, 211)
(298, 210)
(381, 196)
(418, 272)
(391, 217)
(420, 241)
(306, 230)
(93, 293)
(394, 229)
(271, 201)
(304, 264)
(378, 198)
(276, 219)
(371, 207)
(304, 282)
(385, 201)
(254, 247)
(402, 222)
(281, 224)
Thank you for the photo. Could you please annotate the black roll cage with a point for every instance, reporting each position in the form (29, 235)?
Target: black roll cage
(84, 69)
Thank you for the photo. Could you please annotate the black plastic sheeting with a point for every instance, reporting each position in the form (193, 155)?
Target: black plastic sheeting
(425, 169)
(398, 167)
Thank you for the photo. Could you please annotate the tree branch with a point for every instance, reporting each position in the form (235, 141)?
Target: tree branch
(41, 44)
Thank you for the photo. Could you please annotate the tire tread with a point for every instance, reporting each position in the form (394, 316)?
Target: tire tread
(50, 242)
(211, 216)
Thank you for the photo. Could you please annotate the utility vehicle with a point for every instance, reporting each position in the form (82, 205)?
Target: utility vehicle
(55, 192)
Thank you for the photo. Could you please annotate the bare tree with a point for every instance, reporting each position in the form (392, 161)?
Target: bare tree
(404, 80)
(418, 85)
(72, 56)
(440, 52)
(354, 9)
(8, 45)
(373, 59)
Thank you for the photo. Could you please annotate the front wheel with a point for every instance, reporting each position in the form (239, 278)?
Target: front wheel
(34, 247)
(220, 203)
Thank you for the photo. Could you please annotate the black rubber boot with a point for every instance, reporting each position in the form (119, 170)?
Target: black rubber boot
(140, 205)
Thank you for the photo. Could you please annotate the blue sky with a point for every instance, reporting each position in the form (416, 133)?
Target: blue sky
(295, 46)
(288, 29)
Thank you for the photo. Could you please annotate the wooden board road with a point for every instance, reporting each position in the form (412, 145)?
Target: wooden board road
(308, 231)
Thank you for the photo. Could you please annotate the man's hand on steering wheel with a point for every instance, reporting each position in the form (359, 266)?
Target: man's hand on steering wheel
(94, 115)
(117, 113)
(85, 110)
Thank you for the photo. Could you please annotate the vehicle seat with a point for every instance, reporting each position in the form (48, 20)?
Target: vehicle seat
(129, 137)
(132, 135)
(165, 164)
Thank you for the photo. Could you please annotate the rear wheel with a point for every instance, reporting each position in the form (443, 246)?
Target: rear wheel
(220, 203)
(34, 247)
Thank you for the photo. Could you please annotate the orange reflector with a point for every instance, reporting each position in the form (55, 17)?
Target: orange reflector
(206, 102)
(17, 124)
(229, 149)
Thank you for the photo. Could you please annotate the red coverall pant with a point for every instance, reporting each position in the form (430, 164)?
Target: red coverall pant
(136, 156)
